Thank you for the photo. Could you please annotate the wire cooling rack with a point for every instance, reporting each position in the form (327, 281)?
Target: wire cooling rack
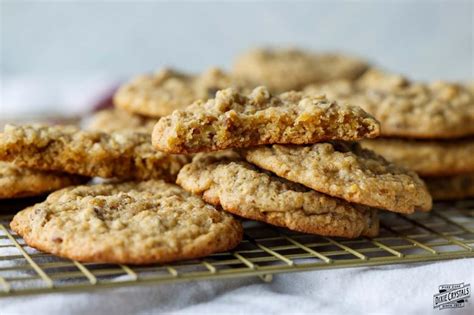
(445, 233)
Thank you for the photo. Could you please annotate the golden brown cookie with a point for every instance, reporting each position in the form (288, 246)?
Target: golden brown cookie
(114, 119)
(127, 223)
(242, 189)
(233, 120)
(16, 182)
(67, 149)
(451, 187)
(406, 109)
(427, 158)
(284, 70)
(345, 170)
(161, 93)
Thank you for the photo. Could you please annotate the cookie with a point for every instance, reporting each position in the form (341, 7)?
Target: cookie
(284, 70)
(68, 149)
(427, 158)
(16, 182)
(127, 223)
(451, 187)
(161, 93)
(345, 170)
(109, 120)
(437, 110)
(240, 188)
(233, 120)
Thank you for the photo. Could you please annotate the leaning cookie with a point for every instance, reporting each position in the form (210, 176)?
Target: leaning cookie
(68, 149)
(110, 120)
(437, 110)
(161, 93)
(427, 158)
(242, 189)
(284, 70)
(17, 182)
(233, 120)
(127, 223)
(345, 170)
(451, 187)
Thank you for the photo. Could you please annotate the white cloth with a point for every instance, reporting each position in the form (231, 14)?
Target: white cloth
(396, 289)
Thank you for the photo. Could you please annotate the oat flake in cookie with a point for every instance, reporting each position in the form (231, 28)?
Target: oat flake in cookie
(127, 223)
(125, 154)
(234, 120)
(243, 189)
(345, 170)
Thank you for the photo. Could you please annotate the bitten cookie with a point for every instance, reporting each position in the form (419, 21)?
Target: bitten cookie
(345, 170)
(427, 158)
(127, 223)
(161, 93)
(16, 182)
(284, 70)
(110, 120)
(406, 109)
(89, 153)
(242, 189)
(233, 120)
(451, 187)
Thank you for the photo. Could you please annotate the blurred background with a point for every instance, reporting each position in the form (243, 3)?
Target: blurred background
(62, 57)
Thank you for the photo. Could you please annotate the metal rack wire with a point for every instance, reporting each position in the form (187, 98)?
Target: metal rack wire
(445, 233)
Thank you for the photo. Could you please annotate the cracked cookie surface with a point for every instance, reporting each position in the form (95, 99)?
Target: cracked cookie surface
(127, 223)
(284, 70)
(233, 120)
(241, 188)
(407, 109)
(68, 149)
(346, 171)
(17, 182)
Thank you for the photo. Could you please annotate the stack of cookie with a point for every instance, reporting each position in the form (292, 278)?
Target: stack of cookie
(289, 159)
(425, 127)
(142, 221)
(296, 166)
